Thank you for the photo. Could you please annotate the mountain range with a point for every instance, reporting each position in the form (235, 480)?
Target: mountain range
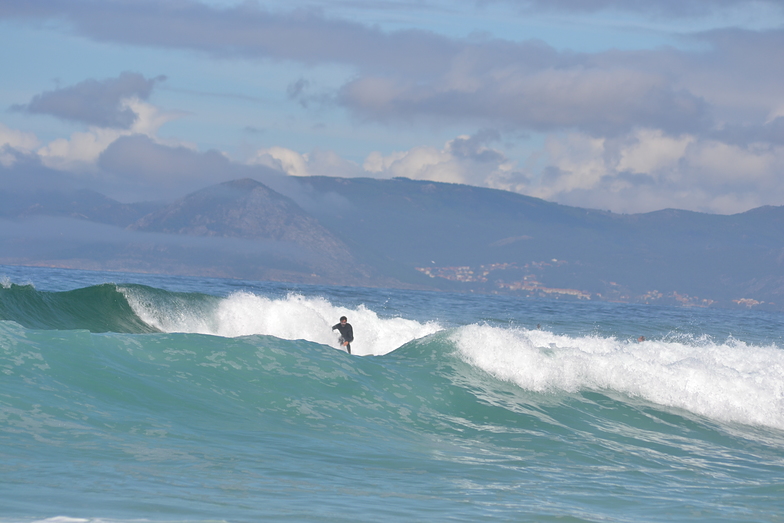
(408, 234)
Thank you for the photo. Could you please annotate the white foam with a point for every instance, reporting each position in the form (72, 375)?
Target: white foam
(294, 317)
(729, 381)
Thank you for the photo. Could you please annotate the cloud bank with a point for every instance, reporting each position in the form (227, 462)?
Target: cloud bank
(699, 126)
(661, 8)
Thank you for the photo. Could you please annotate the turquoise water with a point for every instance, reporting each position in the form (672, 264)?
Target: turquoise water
(129, 397)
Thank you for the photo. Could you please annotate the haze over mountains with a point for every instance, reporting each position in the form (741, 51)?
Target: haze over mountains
(408, 234)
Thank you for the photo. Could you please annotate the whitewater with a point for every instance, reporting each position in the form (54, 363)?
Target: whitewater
(130, 397)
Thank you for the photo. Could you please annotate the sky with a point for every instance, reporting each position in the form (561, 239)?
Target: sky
(630, 106)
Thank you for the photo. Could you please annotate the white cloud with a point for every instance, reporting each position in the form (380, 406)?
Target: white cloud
(643, 171)
(419, 163)
(466, 159)
(649, 170)
(580, 162)
(731, 164)
(20, 141)
(653, 151)
(463, 160)
(316, 163)
(79, 151)
(286, 160)
(775, 113)
(82, 149)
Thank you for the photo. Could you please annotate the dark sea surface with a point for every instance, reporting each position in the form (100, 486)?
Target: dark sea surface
(128, 397)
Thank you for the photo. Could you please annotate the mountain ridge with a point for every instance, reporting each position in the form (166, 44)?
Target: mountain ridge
(433, 235)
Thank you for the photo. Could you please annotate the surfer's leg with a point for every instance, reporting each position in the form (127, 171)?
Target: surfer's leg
(348, 347)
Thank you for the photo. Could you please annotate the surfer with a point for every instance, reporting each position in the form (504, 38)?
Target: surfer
(346, 333)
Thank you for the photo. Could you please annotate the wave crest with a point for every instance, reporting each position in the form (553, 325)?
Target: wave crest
(730, 381)
(292, 317)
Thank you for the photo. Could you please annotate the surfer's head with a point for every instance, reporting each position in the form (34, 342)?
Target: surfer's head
(343, 319)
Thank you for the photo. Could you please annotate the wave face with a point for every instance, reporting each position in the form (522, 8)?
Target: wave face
(100, 308)
(127, 402)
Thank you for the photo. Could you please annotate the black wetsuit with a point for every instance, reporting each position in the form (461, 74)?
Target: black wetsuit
(346, 334)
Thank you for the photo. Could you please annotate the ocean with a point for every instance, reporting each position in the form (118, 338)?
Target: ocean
(131, 397)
